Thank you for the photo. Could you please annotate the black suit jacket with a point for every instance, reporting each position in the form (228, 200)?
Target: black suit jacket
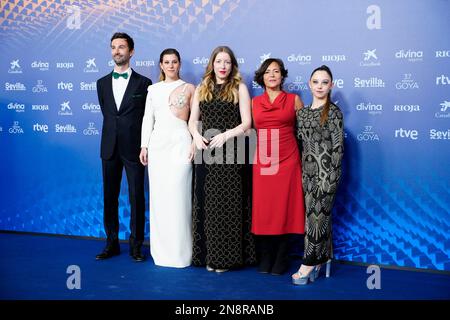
(123, 126)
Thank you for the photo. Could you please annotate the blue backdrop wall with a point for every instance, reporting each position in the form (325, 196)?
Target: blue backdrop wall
(391, 62)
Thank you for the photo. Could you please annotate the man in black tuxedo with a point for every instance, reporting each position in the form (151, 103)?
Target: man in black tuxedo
(122, 95)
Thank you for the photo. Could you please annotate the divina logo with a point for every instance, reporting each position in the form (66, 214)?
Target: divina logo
(406, 133)
(439, 134)
(373, 109)
(18, 107)
(92, 107)
(368, 135)
(42, 66)
(442, 80)
(406, 83)
(39, 87)
(444, 111)
(410, 55)
(15, 128)
(300, 59)
(372, 82)
(406, 108)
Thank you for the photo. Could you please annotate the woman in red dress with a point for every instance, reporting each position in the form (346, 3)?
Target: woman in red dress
(278, 207)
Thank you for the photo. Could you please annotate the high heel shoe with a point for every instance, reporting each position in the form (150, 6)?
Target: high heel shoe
(319, 267)
(304, 279)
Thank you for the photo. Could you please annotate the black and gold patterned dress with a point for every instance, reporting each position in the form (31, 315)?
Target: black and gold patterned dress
(322, 151)
(221, 210)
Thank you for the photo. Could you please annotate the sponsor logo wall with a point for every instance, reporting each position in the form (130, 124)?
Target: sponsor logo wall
(391, 81)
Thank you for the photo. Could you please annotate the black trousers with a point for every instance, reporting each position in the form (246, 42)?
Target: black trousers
(112, 177)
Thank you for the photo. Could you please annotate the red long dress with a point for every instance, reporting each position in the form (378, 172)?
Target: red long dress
(278, 206)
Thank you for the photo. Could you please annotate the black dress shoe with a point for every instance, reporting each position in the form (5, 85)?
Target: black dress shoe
(108, 253)
(137, 256)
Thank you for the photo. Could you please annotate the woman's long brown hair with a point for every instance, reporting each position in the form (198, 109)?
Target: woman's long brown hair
(326, 109)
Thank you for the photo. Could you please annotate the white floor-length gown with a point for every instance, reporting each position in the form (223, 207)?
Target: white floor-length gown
(170, 177)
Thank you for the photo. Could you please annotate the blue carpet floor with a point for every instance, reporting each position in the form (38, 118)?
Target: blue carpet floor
(34, 267)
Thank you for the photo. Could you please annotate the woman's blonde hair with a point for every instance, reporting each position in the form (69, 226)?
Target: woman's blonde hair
(230, 92)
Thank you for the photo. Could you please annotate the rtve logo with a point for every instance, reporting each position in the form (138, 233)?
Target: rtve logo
(442, 80)
(40, 127)
(65, 86)
(406, 133)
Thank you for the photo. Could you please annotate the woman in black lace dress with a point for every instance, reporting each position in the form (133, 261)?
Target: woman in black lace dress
(321, 130)
(221, 205)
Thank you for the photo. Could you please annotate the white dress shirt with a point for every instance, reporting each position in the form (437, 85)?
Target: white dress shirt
(119, 86)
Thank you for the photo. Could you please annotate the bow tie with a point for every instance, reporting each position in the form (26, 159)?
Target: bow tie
(117, 75)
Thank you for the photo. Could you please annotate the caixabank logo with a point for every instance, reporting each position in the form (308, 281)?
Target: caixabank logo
(444, 111)
(65, 109)
(91, 66)
(370, 59)
(14, 66)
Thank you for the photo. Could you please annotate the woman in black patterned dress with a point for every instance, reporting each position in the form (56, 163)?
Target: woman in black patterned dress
(221, 212)
(321, 130)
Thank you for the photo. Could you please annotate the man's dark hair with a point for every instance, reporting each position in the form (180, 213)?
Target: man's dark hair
(123, 35)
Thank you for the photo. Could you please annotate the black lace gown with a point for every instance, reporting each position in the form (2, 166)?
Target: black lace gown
(221, 210)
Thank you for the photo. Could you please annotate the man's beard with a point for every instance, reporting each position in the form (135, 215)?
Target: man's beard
(121, 60)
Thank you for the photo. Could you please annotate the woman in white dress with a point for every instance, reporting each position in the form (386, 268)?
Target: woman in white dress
(166, 146)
